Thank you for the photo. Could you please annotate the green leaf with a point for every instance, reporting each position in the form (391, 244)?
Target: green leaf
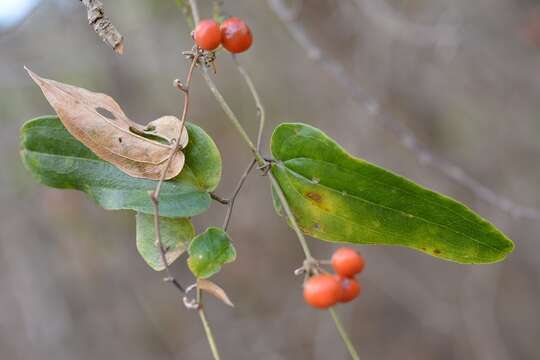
(175, 236)
(208, 251)
(337, 197)
(58, 160)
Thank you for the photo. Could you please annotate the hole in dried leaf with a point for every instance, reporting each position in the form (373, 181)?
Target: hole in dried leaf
(148, 135)
(104, 112)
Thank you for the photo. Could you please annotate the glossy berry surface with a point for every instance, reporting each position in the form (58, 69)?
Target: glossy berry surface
(347, 262)
(350, 288)
(207, 35)
(236, 36)
(322, 291)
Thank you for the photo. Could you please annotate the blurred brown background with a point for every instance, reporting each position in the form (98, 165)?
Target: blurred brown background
(463, 75)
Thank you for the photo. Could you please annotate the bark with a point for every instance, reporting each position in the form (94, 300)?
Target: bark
(102, 25)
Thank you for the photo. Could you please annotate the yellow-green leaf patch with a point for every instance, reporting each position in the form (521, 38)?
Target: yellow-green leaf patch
(338, 197)
(209, 251)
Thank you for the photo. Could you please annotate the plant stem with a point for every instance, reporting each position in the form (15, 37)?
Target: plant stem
(290, 215)
(206, 326)
(232, 200)
(260, 108)
(231, 115)
(262, 162)
(195, 11)
(344, 335)
(155, 194)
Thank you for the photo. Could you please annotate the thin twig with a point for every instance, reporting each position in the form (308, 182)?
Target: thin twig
(261, 114)
(185, 87)
(389, 20)
(344, 335)
(262, 162)
(290, 215)
(236, 192)
(283, 200)
(155, 194)
(231, 115)
(195, 11)
(206, 326)
(103, 26)
(406, 136)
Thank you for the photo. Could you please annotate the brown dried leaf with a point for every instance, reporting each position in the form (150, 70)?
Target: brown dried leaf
(215, 290)
(167, 128)
(99, 123)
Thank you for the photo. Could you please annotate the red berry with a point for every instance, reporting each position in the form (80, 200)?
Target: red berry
(347, 262)
(322, 291)
(236, 35)
(207, 35)
(350, 288)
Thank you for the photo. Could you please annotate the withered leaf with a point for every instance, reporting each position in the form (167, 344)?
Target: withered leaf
(98, 122)
(215, 290)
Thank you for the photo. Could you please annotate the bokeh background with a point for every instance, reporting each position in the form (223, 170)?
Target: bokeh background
(463, 75)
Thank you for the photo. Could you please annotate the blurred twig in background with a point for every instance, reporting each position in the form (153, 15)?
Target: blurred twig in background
(389, 20)
(103, 26)
(407, 138)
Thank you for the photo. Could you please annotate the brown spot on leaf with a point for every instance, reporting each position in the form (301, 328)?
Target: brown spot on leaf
(436, 251)
(314, 196)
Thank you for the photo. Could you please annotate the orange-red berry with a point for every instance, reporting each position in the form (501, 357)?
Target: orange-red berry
(347, 262)
(322, 291)
(350, 288)
(236, 36)
(207, 35)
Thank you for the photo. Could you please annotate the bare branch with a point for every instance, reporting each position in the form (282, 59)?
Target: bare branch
(103, 26)
(236, 192)
(390, 21)
(261, 113)
(406, 136)
(155, 194)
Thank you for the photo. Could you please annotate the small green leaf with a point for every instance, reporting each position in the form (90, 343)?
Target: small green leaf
(209, 251)
(175, 236)
(337, 197)
(58, 160)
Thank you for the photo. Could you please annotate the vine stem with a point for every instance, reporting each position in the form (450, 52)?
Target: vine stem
(344, 336)
(263, 163)
(206, 326)
(184, 87)
(260, 108)
(237, 190)
(231, 115)
(155, 194)
(290, 215)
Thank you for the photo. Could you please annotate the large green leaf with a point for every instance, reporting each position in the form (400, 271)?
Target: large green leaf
(208, 251)
(175, 236)
(337, 197)
(59, 160)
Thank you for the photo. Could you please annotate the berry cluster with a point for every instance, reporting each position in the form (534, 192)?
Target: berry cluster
(233, 34)
(325, 290)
